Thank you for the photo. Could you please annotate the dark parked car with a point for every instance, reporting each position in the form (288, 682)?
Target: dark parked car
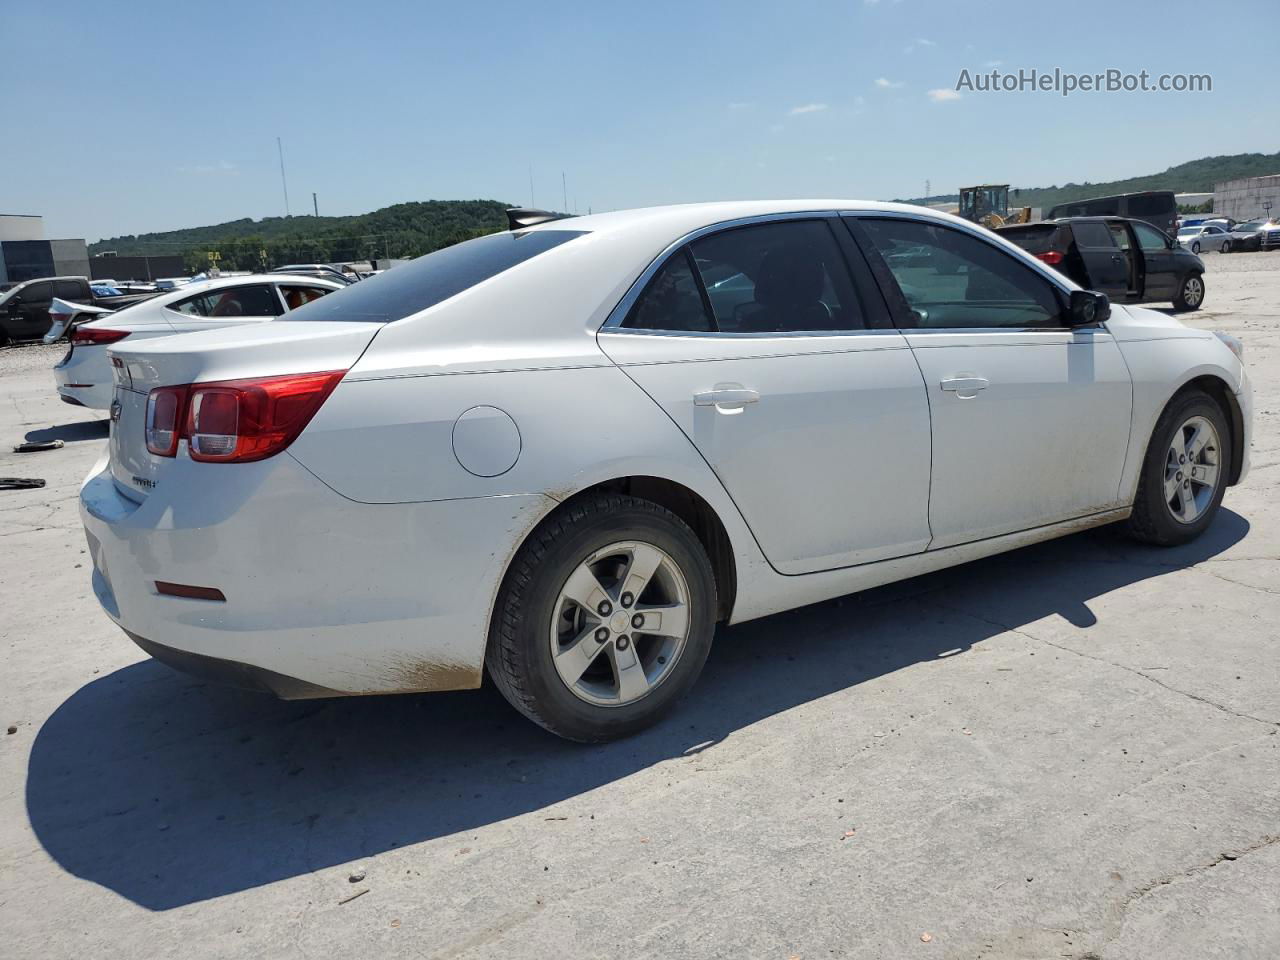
(1156, 207)
(1247, 236)
(1128, 260)
(24, 310)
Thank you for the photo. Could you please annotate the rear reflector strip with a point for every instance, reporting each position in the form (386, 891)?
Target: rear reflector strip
(189, 592)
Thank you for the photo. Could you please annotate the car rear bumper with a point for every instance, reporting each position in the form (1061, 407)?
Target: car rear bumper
(83, 376)
(324, 596)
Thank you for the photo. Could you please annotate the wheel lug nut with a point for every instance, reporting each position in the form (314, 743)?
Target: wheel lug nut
(602, 635)
(605, 608)
(637, 621)
(627, 599)
(623, 642)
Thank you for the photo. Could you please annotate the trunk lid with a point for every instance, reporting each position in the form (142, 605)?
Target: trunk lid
(231, 353)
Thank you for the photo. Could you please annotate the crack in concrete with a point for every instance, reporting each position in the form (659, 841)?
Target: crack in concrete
(1112, 663)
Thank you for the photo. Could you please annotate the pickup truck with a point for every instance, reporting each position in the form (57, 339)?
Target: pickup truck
(24, 309)
(1128, 260)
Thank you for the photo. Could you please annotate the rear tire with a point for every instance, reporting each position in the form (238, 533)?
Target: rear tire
(1226, 246)
(585, 668)
(1190, 293)
(1176, 502)
(1195, 247)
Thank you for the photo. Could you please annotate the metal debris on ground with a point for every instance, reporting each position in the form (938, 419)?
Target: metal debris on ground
(20, 483)
(35, 446)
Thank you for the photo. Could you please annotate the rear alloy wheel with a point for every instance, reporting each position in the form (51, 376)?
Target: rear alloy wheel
(1195, 246)
(1226, 246)
(1184, 475)
(1191, 293)
(604, 620)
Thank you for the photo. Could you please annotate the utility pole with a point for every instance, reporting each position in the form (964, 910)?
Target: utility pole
(315, 207)
(565, 189)
(926, 193)
(283, 182)
(533, 204)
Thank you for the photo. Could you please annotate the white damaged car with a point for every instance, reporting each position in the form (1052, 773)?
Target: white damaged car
(562, 454)
(83, 375)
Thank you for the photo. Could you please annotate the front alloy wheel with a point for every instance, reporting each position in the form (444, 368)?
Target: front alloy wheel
(1192, 469)
(1190, 294)
(1184, 474)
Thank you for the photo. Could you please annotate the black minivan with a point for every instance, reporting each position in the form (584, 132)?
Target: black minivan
(1128, 260)
(1157, 207)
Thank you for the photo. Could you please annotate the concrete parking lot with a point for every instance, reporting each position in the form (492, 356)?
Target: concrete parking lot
(1067, 751)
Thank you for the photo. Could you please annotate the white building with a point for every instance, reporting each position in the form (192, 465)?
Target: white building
(1248, 197)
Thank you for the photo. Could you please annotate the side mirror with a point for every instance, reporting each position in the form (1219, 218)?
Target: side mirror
(1087, 308)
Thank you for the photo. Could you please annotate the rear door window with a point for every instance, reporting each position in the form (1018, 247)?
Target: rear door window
(37, 292)
(782, 277)
(257, 300)
(68, 289)
(422, 283)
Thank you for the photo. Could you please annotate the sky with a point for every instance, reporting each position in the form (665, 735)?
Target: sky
(137, 117)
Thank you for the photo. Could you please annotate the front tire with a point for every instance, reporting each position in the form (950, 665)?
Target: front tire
(1190, 293)
(604, 619)
(1195, 247)
(1184, 474)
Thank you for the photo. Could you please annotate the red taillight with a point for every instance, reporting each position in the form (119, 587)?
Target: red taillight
(236, 421)
(164, 417)
(96, 334)
(1052, 257)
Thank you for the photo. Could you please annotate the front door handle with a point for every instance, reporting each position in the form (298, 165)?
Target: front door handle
(966, 388)
(726, 398)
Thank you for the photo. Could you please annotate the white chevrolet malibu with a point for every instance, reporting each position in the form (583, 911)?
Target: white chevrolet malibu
(83, 376)
(565, 452)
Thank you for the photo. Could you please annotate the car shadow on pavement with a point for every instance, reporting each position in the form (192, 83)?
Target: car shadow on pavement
(71, 432)
(168, 791)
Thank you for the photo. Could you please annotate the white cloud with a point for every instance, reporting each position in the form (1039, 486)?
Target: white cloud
(739, 106)
(993, 63)
(942, 95)
(886, 84)
(919, 42)
(808, 108)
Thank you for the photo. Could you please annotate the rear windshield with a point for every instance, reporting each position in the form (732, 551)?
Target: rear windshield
(1037, 239)
(434, 278)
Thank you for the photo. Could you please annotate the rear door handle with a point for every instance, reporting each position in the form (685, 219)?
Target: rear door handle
(726, 397)
(966, 388)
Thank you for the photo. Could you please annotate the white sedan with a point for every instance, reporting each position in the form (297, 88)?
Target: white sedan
(83, 375)
(565, 452)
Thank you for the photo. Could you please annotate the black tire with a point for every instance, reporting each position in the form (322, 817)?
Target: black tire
(1226, 246)
(4, 336)
(1190, 293)
(1153, 520)
(1195, 246)
(519, 656)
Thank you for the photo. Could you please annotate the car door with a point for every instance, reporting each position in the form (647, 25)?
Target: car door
(1107, 266)
(1216, 238)
(29, 317)
(225, 306)
(1160, 258)
(1030, 418)
(786, 375)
